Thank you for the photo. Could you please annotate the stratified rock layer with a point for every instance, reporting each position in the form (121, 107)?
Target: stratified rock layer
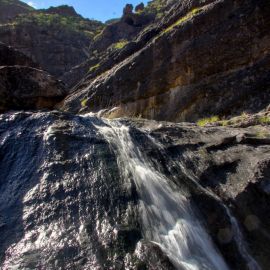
(204, 58)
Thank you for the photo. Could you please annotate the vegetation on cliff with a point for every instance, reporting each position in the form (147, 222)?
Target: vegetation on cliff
(53, 20)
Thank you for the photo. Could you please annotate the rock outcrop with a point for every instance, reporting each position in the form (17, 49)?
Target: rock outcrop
(28, 88)
(23, 85)
(203, 59)
(11, 57)
(66, 202)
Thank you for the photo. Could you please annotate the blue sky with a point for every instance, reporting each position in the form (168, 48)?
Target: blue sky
(98, 9)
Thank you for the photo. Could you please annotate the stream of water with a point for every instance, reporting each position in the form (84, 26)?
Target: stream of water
(167, 216)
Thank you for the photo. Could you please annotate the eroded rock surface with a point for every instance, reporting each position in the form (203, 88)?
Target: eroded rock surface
(66, 202)
(9, 9)
(11, 57)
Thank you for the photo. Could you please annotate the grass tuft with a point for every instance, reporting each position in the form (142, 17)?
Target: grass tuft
(93, 68)
(203, 122)
(84, 102)
(120, 44)
(187, 17)
(264, 120)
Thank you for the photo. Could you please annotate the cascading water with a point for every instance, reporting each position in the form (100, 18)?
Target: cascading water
(69, 202)
(167, 216)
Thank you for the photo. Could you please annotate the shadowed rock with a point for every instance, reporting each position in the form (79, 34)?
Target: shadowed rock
(28, 88)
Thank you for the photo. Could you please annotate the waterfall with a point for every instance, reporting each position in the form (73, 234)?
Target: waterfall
(167, 216)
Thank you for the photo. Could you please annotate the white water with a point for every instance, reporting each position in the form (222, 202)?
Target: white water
(167, 216)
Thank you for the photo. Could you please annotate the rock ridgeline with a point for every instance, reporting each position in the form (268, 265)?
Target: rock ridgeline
(10, 9)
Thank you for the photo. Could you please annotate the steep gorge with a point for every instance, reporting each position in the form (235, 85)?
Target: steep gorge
(81, 191)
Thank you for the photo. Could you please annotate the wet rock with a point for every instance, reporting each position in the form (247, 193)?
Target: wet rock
(66, 204)
(152, 257)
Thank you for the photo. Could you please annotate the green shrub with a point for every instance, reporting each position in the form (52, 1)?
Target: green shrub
(120, 44)
(187, 17)
(78, 24)
(93, 68)
(203, 122)
(264, 120)
(84, 102)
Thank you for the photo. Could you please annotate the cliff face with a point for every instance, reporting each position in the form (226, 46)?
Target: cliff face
(209, 58)
(106, 46)
(58, 38)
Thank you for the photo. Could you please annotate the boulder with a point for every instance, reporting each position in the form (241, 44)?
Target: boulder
(28, 88)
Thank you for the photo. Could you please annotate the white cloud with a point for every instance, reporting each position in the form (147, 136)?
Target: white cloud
(32, 4)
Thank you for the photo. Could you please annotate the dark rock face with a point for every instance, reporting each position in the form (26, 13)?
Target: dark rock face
(111, 46)
(66, 204)
(24, 87)
(56, 50)
(126, 29)
(9, 9)
(188, 69)
(12, 57)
